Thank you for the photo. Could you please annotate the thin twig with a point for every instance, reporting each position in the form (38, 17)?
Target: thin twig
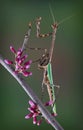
(46, 114)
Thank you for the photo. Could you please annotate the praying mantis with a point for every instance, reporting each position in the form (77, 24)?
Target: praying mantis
(45, 61)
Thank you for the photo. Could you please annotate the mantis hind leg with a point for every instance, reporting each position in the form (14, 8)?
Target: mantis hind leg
(42, 86)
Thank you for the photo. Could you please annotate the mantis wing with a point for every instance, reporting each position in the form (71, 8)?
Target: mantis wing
(50, 77)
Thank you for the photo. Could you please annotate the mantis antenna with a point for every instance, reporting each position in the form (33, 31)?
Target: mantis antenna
(52, 13)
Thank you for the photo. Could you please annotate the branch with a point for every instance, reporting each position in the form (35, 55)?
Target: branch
(46, 114)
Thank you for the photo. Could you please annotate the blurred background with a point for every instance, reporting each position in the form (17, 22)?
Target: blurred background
(67, 61)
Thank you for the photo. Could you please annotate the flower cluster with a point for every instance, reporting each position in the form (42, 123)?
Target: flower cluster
(19, 63)
(35, 112)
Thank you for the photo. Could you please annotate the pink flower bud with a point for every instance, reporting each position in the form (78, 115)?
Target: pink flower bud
(12, 50)
(8, 62)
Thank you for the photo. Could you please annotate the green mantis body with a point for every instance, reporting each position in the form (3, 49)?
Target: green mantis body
(48, 79)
